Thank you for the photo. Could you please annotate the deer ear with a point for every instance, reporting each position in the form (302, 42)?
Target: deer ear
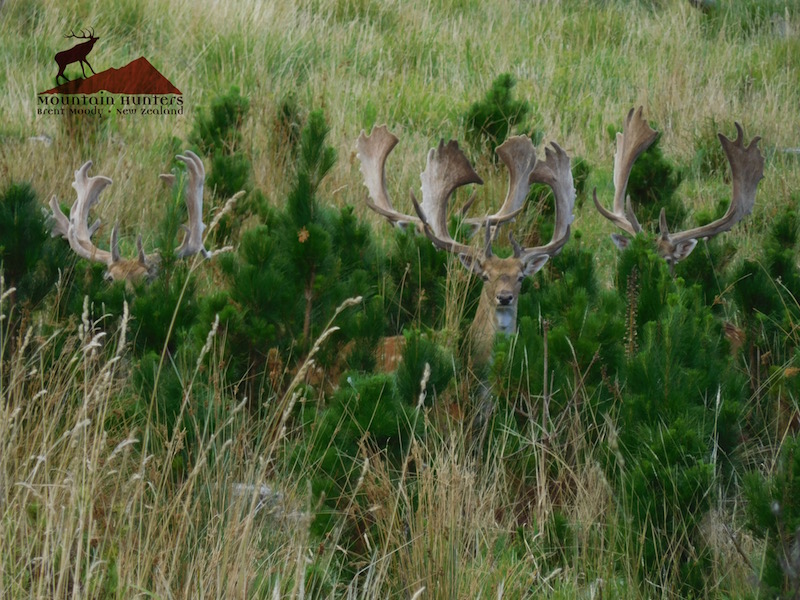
(620, 241)
(683, 249)
(472, 263)
(533, 264)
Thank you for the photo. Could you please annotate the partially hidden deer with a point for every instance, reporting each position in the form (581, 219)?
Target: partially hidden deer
(747, 169)
(78, 233)
(448, 169)
(76, 54)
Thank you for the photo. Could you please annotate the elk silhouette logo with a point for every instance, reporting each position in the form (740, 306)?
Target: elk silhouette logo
(76, 54)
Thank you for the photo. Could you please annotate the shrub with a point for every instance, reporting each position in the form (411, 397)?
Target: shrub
(29, 258)
(653, 184)
(217, 135)
(773, 511)
(681, 408)
(489, 121)
(291, 271)
(365, 416)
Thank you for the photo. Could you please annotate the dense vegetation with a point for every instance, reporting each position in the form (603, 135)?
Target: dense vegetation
(230, 430)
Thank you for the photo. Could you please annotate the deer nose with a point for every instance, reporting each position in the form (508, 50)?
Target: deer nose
(505, 299)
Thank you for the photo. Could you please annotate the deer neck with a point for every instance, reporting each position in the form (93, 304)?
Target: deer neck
(490, 319)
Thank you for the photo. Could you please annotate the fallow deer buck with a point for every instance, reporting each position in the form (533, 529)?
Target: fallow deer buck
(747, 169)
(448, 169)
(78, 233)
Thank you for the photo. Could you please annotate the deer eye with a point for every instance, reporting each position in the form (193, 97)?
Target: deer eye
(521, 277)
(485, 276)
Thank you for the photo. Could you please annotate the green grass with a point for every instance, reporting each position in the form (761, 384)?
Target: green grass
(86, 510)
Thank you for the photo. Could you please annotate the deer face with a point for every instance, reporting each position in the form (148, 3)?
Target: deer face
(672, 252)
(502, 283)
(131, 270)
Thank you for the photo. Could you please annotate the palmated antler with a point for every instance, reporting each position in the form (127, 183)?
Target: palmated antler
(75, 230)
(372, 151)
(519, 156)
(193, 240)
(747, 169)
(747, 166)
(555, 171)
(636, 137)
(447, 169)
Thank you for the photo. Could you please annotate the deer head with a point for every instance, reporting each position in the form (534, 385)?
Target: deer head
(747, 168)
(78, 233)
(448, 169)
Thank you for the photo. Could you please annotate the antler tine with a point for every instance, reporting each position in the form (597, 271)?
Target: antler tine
(372, 151)
(519, 156)
(115, 255)
(747, 169)
(79, 233)
(487, 248)
(60, 221)
(636, 137)
(193, 240)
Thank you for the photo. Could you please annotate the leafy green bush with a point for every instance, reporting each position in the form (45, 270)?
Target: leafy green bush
(217, 130)
(423, 362)
(366, 415)
(417, 272)
(709, 158)
(708, 266)
(644, 281)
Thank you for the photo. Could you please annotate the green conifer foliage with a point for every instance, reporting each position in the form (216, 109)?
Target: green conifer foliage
(293, 270)
(417, 272)
(679, 426)
(652, 185)
(644, 281)
(489, 121)
(773, 511)
(419, 352)
(365, 416)
(771, 289)
(766, 292)
(217, 135)
(30, 260)
(306, 239)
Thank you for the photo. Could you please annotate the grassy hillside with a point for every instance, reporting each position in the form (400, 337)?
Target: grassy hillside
(202, 436)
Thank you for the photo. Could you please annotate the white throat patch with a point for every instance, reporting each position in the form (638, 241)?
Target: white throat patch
(505, 317)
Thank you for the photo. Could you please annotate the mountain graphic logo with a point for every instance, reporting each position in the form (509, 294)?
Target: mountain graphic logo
(138, 77)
